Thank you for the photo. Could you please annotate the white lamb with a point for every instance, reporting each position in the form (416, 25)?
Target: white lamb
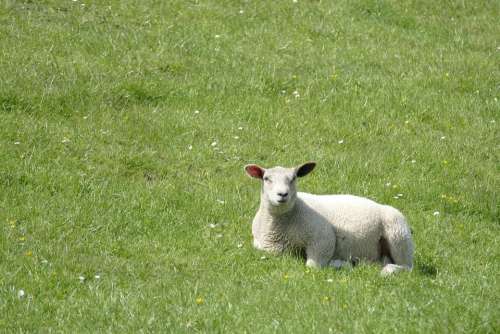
(333, 230)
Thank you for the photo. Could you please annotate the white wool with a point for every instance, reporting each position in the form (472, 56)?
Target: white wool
(331, 229)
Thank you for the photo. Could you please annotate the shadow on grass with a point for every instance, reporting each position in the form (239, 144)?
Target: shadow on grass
(426, 268)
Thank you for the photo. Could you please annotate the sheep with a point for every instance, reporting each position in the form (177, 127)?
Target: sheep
(332, 230)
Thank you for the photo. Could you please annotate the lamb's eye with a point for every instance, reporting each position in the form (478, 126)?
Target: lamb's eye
(267, 179)
(294, 178)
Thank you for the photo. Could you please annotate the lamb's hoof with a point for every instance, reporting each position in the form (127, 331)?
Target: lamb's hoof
(390, 269)
(312, 264)
(355, 261)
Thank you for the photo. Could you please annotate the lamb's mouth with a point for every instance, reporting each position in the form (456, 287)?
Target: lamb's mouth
(281, 201)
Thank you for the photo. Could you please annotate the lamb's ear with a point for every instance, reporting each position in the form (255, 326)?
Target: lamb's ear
(305, 169)
(254, 171)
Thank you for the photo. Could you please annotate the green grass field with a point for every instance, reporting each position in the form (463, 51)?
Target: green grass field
(125, 126)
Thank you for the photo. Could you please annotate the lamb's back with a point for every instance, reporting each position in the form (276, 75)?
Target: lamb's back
(346, 212)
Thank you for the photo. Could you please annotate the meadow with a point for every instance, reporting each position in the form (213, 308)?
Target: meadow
(125, 126)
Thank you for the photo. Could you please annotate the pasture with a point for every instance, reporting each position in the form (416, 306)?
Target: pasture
(125, 126)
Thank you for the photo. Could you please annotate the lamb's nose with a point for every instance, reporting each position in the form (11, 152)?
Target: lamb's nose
(283, 195)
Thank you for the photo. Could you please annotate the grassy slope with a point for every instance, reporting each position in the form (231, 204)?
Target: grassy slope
(97, 107)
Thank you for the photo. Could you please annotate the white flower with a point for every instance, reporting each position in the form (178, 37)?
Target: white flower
(20, 293)
(329, 280)
(17, 142)
(65, 140)
(240, 245)
(263, 257)
(214, 143)
(388, 184)
(97, 276)
(341, 141)
(236, 137)
(212, 225)
(217, 36)
(240, 128)
(443, 137)
(296, 94)
(81, 278)
(436, 213)
(190, 147)
(413, 161)
(241, 11)
(196, 112)
(220, 201)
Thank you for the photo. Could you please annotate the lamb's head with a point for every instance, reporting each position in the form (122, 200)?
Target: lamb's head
(278, 184)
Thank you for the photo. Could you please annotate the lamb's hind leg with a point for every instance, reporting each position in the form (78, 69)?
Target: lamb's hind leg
(399, 245)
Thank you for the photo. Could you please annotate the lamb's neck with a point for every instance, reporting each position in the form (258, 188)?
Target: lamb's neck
(276, 216)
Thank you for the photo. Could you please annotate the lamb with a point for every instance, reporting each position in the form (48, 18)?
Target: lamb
(332, 230)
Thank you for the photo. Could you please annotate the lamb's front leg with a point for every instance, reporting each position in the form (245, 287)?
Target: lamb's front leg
(264, 243)
(320, 253)
(257, 244)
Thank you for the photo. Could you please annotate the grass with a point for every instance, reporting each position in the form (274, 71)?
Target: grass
(125, 126)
